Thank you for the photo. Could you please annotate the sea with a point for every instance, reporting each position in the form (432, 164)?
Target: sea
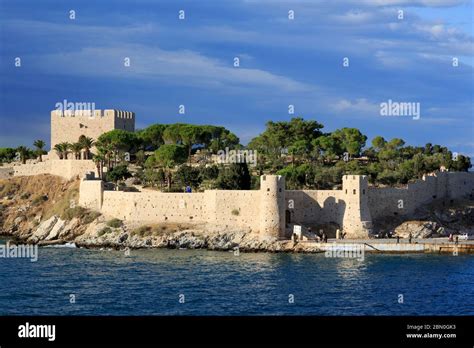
(66, 280)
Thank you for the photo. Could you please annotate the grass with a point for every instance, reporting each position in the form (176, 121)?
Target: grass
(85, 215)
(39, 199)
(158, 229)
(103, 231)
(115, 223)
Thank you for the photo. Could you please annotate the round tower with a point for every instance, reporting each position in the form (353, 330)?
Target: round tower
(272, 206)
(357, 222)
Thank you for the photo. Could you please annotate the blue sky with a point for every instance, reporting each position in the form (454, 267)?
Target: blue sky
(282, 62)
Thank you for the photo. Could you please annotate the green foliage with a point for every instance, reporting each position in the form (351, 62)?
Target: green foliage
(316, 160)
(115, 223)
(188, 176)
(103, 231)
(7, 154)
(39, 199)
(234, 177)
(118, 173)
(169, 156)
(85, 215)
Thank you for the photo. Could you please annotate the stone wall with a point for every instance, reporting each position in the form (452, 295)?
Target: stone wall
(271, 209)
(68, 126)
(446, 186)
(67, 169)
(6, 172)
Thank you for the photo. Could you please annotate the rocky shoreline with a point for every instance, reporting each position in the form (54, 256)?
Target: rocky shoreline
(43, 210)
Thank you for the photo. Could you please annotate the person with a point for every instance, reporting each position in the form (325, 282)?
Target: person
(457, 239)
(409, 238)
(188, 189)
(398, 239)
(450, 239)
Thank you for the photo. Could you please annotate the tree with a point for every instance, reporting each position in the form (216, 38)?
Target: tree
(39, 144)
(7, 154)
(188, 176)
(118, 173)
(59, 150)
(99, 160)
(351, 139)
(76, 149)
(167, 157)
(378, 143)
(22, 151)
(152, 136)
(234, 177)
(115, 143)
(65, 147)
(86, 145)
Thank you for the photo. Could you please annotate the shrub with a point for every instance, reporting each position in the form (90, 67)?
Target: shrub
(103, 231)
(25, 195)
(235, 212)
(115, 223)
(39, 199)
(85, 215)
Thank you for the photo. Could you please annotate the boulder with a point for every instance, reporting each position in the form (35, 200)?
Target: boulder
(56, 230)
(418, 229)
(43, 229)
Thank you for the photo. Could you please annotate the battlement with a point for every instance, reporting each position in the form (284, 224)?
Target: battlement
(69, 125)
(94, 113)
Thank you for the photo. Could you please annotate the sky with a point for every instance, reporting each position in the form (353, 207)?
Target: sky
(283, 62)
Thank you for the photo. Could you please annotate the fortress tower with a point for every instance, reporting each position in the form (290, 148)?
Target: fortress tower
(272, 206)
(68, 126)
(357, 222)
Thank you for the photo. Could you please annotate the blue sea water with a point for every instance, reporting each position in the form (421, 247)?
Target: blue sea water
(152, 282)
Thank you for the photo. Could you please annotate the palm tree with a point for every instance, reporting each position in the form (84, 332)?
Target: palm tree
(65, 147)
(39, 144)
(87, 144)
(76, 149)
(99, 160)
(59, 150)
(23, 152)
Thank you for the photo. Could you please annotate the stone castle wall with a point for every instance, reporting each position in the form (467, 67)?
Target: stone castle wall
(391, 201)
(222, 208)
(68, 126)
(271, 210)
(67, 169)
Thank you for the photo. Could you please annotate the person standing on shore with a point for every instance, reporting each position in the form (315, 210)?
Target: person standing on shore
(409, 238)
(457, 240)
(398, 239)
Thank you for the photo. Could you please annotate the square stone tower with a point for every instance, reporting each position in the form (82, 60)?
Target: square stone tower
(68, 126)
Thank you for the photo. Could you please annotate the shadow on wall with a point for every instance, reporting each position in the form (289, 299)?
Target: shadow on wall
(316, 209)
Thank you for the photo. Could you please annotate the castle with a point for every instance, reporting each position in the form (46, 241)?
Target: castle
(271, 211)
(68, 125)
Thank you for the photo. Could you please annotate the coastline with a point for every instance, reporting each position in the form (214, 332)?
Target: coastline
(43, 210)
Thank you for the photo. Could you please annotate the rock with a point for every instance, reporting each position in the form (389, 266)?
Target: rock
(418, 229)
(19, 220)
(123, 238)
(56, 230)
(70, 228)
(43, 229)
